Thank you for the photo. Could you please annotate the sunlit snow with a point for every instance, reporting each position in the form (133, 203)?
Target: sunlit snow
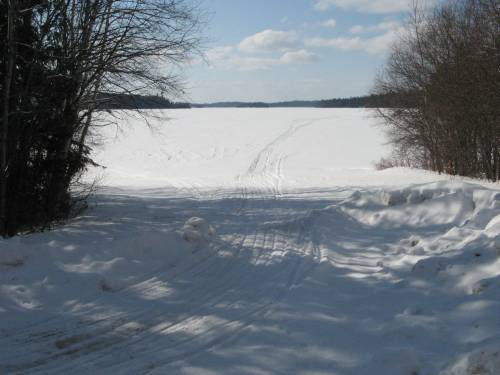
(258, 241)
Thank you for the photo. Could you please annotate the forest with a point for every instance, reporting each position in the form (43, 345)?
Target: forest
(61, 62)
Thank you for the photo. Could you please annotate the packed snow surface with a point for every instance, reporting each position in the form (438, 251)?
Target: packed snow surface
(258, 241)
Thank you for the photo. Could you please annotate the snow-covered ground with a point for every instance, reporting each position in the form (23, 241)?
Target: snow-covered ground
(258, 241)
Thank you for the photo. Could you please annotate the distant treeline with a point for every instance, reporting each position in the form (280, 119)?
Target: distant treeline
(123, 101)
(119, 101)
(370, 101)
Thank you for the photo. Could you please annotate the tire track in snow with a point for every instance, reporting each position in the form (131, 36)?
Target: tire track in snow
(285, 254)
(266, 238)
(268, 166)
(28, 331)
(120, 319)
(59, 334)
(239, 323)
(74, 324)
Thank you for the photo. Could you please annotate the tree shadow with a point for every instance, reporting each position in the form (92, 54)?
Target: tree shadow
(286, 286)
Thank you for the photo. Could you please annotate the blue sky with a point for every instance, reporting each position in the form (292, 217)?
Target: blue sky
(273, 50)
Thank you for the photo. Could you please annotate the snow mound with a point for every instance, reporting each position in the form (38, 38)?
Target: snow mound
(483, 361)
(461, 250)
(430, 267)
(494, 226)
(51, 265)
(11, 256)
(497, 242)
(471, 269)
(442, 203)
(197, 231)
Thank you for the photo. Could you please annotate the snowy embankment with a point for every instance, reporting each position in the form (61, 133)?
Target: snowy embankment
(259, 242)
(429, 259)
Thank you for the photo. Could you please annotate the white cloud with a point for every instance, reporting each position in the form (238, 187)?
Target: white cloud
(322, 5)
(218, 54)
(331, 23)
(382, 26)
(257, 50)
(261, 63)
(374, 45)
(340, 42)
(246, 63)
(357, 29)
(228, 58)
(366, 6)
(300, 56)
(269, 40)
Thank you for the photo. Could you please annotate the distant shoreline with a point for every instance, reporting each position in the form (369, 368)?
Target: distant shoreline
(367, 101)
(113, 101)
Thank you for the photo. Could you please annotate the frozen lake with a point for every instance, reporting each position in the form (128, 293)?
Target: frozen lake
(275, 148)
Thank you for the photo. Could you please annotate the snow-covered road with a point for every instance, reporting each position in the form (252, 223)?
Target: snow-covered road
(258, 242)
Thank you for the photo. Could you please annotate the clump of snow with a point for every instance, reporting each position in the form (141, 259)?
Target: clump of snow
(356, 195)
(480, 286)
(493, 226)
(429, 267)
(483, 361)
(416, 310)
(11, 256)
(393, 198)
(197, 231)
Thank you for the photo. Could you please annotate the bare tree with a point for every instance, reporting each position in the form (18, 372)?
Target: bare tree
(444, 72)
(67, 54)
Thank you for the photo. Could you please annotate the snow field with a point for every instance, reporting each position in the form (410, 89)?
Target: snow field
(258, 242)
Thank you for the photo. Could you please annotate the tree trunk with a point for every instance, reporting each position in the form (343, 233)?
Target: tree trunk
(10, 56)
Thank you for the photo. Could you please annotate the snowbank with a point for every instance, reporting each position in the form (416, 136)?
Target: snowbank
(483, 361)
(442, 240)
(440, 203)
(42, 271)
